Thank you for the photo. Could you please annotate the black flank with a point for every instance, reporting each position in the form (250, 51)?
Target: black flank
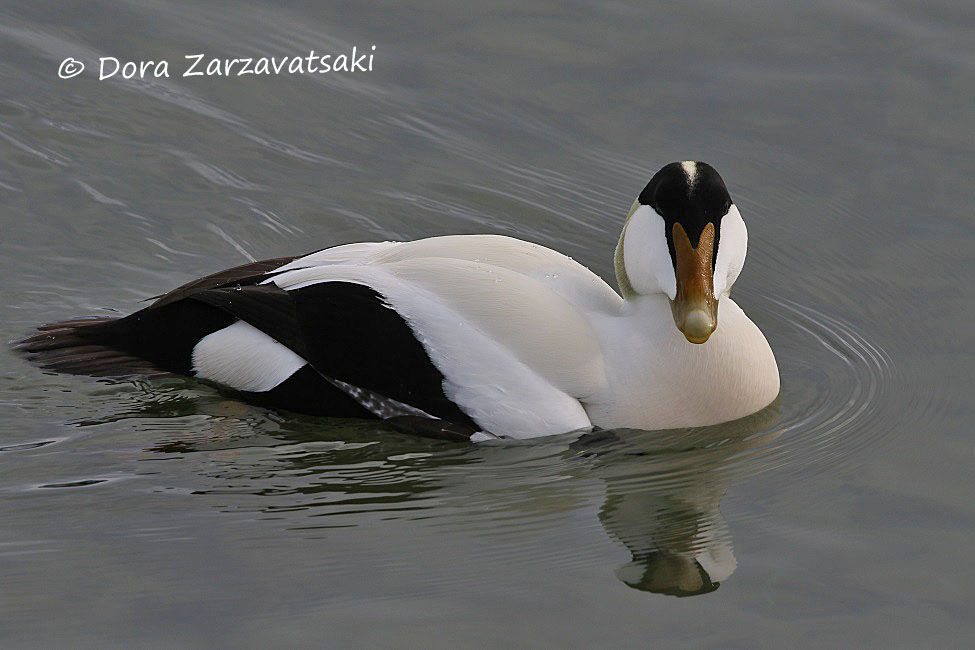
(352, 335)
(308, 392)
(153, 341)
(346, 332)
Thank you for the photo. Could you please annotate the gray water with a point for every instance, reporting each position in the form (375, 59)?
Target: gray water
(164, 514)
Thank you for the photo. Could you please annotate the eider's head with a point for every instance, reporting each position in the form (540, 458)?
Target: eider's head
(669, 245)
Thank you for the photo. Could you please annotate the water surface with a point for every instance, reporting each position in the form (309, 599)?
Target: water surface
(162, 513)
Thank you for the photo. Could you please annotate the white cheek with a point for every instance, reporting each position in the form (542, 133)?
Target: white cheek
(732, 244)
(645, 254)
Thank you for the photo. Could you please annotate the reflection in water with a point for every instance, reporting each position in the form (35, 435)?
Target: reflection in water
(663, 495)
(325, 466)
(678, 537)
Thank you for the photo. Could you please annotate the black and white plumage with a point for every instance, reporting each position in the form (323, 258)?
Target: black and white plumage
(468, 336)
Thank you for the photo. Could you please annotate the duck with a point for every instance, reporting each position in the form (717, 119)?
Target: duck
(472, 337)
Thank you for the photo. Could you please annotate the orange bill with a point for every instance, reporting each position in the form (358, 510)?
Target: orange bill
(695, 307)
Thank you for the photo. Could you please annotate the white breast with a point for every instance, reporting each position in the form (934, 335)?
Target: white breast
(660, 381)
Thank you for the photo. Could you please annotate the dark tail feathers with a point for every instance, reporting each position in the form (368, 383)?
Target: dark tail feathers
(83, 347)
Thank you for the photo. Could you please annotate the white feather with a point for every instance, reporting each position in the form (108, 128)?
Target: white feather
(657, 380)
(732, 245)
(646, 256)
(516, 356)
(244, 358)
(345, 254)
(559, 272)
(531, 343)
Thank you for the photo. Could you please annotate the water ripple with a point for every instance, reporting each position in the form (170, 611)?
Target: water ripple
(657, 493)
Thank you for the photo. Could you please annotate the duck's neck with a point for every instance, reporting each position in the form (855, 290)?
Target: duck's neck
(657, 379)
(622, 279)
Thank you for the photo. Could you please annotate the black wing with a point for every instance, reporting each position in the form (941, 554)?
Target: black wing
(348, 333)
(359, 350)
